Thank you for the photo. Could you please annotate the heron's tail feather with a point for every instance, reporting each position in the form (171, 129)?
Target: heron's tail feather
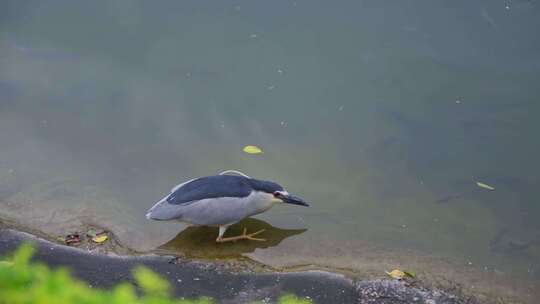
(153, 213)
(164, 211)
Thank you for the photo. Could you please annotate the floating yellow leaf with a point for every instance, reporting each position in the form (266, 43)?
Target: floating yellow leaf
(396, 274)
(252, 150)
(482, 185)
(100, 238)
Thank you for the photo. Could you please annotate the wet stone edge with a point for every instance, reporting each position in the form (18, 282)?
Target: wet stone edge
(193, 279)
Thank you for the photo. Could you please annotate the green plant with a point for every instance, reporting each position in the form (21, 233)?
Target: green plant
(292, 299)
(24, 282)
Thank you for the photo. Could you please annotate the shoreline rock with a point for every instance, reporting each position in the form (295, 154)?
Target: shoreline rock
(192, 279)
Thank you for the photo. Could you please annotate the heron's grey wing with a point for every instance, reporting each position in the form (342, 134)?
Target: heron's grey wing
(180, 185)
(210, 187)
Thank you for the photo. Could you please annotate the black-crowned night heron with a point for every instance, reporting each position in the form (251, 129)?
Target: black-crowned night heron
(221, 200)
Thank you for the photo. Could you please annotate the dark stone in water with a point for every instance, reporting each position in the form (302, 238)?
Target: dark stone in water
(513, 240)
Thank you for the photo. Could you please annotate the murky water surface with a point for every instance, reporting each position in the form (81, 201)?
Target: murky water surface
(383, 114)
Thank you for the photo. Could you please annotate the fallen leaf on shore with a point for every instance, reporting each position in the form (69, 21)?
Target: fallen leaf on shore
(485, 186)
(252, 150)
(100, 238)
(396, 274)
(410, 274)
(91, 233)
(73, 239)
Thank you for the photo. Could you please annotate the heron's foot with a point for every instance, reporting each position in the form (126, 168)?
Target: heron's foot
(243, 236)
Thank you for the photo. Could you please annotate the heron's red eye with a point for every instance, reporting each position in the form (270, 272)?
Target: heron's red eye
(276, 194)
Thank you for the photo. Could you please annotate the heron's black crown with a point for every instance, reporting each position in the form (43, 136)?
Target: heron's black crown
(264, 186)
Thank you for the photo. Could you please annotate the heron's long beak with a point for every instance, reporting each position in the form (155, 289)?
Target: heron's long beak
(295, 200)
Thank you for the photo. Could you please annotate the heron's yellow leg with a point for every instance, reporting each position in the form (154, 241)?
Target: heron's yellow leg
(243, 236)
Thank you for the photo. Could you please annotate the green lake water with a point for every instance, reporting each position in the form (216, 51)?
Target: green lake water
(383, 114)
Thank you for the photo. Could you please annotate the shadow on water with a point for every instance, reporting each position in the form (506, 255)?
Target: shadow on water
(200, 242)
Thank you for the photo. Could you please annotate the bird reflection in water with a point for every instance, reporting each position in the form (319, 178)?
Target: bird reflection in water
(199, 242)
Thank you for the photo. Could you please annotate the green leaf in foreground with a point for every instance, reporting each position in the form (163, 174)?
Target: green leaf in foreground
(292, 299)
(150, 282)
(26, 282)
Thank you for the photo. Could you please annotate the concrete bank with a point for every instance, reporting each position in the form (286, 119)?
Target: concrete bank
(193, 279)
